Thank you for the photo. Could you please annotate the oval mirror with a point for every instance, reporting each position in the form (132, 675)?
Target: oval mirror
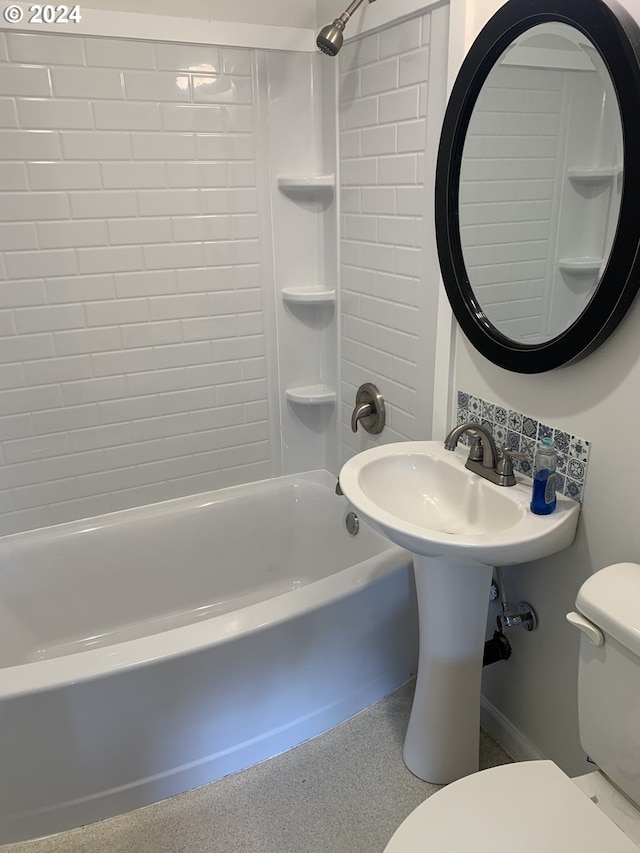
(537, 171)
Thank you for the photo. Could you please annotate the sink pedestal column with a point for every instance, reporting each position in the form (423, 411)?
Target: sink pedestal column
(443, 736)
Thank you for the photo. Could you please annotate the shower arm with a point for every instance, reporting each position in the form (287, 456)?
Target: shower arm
(348, 12)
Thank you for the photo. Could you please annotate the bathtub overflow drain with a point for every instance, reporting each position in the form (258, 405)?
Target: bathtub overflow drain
(353, 523)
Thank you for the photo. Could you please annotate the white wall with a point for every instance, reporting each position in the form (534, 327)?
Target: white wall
(372, 14)
(284, 13)
(597, 399)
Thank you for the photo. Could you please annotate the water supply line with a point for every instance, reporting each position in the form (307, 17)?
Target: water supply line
(511, 616)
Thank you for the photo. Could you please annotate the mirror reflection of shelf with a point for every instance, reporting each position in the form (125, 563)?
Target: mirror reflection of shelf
(580, 266)
(306, 182)
(312, 294)
(311, 395)
(594, 176)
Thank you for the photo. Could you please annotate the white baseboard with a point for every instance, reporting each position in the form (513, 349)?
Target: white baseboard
(506, 734)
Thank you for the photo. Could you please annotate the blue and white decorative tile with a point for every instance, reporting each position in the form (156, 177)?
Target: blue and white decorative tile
(575, 469)
(463, 400)
(544, 431)
(500, 416)
(525, 467)
(513, 440)
(514, 421)
(561, 440)
(488, 411)
(573, 489)
(528, 446)
(562, 463)
(519, 431)
(499, 434)
(475, 407)
(462, 418)
(579, 448)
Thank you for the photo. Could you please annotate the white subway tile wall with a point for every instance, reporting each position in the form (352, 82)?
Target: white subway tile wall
(506, 196)
(383, 95)
(132, 360)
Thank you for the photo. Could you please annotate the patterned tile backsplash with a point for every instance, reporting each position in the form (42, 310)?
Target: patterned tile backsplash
(523, 432)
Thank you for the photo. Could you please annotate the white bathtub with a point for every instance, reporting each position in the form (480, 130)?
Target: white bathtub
(149, 651)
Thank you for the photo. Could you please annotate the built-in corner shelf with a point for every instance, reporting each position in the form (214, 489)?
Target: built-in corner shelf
(312, 294)
(311, 395)
(306, 182)
(596, 175)
(583, 265)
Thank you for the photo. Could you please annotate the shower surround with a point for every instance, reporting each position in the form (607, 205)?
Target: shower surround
(145, 347)
(136, 285)
(391, 102)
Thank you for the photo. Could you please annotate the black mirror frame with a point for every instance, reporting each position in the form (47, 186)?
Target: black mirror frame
(616, 36)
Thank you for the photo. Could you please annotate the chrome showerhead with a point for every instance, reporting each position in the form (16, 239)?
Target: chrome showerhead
(330, 38)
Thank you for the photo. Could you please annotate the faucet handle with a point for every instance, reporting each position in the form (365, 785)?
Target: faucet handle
(476, 450)
(507, 455)
(369, 409)
(504, 468)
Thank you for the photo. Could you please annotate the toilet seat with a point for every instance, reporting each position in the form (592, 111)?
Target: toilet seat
(529, 806)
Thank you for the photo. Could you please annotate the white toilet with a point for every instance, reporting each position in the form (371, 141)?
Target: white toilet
(532, 806)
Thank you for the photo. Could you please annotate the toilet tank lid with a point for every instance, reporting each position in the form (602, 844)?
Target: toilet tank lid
(611, 599)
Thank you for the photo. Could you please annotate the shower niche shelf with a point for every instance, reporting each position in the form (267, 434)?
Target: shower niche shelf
(580, 266)
(311, 395)
(298, 183)
(312, 294)
(597, 175)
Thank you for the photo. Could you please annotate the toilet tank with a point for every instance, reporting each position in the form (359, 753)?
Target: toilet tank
(609, 675)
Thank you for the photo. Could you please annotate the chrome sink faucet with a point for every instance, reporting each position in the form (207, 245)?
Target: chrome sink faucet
(483, 447)
(483, 454)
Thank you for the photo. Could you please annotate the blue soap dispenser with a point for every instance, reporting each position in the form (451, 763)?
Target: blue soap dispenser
(543, 495)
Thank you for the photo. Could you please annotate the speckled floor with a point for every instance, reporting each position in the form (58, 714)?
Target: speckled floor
(344, 792)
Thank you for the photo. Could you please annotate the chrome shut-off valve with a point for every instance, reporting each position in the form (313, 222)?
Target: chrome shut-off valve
(521, 615)
(524, 617)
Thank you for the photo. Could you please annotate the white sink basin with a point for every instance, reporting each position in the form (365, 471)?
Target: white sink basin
(423, 498)
(458, 525)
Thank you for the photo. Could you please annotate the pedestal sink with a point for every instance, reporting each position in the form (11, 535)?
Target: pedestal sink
(458, 526)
